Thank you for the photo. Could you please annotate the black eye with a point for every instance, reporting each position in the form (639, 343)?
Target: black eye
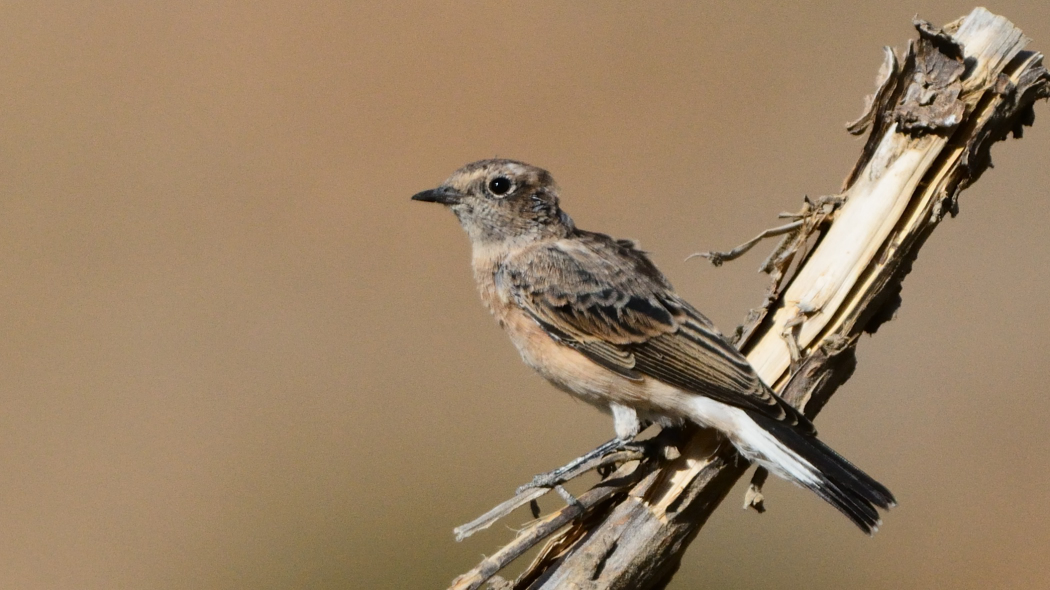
(499, 185)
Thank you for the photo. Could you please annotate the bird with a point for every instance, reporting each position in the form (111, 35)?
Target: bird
(595, 317)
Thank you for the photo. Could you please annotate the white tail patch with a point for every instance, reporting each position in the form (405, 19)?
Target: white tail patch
(753, 441)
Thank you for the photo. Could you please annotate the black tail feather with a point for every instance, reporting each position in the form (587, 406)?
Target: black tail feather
(843, 485)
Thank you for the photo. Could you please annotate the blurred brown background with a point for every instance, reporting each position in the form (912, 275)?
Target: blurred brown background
(235, 355)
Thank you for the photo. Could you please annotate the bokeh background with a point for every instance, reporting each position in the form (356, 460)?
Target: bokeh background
(234, 355)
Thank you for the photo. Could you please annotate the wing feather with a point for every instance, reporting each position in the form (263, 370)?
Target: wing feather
(607, 300)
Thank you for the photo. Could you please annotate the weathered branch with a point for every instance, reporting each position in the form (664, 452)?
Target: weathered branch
(936, 113)
(529, 495)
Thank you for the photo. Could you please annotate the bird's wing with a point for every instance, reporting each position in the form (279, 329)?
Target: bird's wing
(606, 299)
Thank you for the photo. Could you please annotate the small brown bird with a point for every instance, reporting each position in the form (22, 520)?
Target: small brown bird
(594, 316)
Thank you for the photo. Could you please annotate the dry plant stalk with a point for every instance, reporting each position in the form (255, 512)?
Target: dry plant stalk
(836, 274)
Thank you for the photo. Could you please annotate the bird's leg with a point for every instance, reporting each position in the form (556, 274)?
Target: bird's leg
(625, 421)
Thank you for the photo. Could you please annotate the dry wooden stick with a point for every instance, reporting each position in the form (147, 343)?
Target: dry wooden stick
(544, 527)
(936, 113)
(526, 496)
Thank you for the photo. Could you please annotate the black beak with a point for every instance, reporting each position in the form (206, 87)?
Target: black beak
(441, 194)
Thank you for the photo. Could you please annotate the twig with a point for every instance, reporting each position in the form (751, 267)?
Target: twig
(528, 495)
(543, 528)
(718, 258)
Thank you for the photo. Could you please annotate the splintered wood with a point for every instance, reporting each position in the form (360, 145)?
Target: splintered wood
(931, 123)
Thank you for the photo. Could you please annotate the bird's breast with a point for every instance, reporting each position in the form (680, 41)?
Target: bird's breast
(560, 363)
(494, 295)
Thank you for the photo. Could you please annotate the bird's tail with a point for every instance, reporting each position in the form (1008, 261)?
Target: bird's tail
(801, 458)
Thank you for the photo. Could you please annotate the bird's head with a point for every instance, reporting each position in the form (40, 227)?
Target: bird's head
(499, 201)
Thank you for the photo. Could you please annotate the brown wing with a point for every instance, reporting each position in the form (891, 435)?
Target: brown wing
(608, 301)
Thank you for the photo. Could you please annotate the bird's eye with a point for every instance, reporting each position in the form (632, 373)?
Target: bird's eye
(499, 186)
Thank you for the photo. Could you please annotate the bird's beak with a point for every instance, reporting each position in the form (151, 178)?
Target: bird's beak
(441, 194)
